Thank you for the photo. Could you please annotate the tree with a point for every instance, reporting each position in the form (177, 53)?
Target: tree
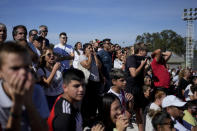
(165, 40)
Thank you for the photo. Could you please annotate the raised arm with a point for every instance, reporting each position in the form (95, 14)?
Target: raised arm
(62, 58)
(49, 79)
(17, 93)
(135, 71)
(98, 63)
(156, 54)
(87, 63)
(167, 55)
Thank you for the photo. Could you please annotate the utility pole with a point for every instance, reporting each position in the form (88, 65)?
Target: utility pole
(189, 15)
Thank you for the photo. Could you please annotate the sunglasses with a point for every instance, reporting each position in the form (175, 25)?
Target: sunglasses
(21, 33)
(49, 55)
(44, 30)
(122, 80)
(33, 34)
(171, 123)
(64, 37)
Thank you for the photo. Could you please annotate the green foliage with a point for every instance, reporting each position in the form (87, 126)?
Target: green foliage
(165, 40)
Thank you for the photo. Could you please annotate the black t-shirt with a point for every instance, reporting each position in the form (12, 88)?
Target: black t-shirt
(66, 118)
(134, 62)
(182, 85)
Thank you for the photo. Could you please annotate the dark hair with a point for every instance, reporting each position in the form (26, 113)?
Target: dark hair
(73, 74)
(159, 119)
(14, 31)
(11, 47)
(38, 38)
(75, 48)
(139, 46)
(62, 33)
(104, 113)
(30, 32)
(86, 46)
(193, 79)
(106, 39)
(117, 74)
(43, 26)
(190, 104)
(193, 88)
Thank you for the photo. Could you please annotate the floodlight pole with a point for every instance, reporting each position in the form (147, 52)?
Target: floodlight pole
(189, 16)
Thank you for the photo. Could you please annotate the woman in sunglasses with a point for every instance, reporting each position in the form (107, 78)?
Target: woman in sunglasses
(51, 76)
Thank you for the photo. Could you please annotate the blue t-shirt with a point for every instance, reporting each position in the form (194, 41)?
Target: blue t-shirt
(106, 60)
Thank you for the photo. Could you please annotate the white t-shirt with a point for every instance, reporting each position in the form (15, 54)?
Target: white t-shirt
(63, 50)
(149, 126)
(178, 126)
(76, 59)
(118, 95)
(117, 63)
(188, 92)
(56, 84)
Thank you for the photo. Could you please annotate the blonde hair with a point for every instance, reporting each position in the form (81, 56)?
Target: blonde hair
(159, 94)
(182, 73)
(42, 62)
(146, 77)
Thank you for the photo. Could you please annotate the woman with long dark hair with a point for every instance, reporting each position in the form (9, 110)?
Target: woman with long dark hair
(111, 116)
(77, 52)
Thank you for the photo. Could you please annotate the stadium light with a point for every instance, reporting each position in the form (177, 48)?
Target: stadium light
(189, 15)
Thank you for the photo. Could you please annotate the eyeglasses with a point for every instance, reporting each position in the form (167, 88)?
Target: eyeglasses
(122, 80)
(44, 31)
(49, 55)
(33, 34)
(171, 123)
(21, 33)
(64, 37)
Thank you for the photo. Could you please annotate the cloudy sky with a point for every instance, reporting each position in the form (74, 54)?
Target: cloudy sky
(84, 20)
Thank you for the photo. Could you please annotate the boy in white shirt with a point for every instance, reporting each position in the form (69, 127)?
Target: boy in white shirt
(119, 84)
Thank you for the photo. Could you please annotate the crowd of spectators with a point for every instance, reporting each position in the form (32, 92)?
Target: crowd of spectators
(96, 86)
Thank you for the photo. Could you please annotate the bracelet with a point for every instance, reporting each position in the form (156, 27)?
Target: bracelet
(14, 115)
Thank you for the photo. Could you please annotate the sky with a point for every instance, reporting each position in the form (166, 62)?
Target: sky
(85, 20)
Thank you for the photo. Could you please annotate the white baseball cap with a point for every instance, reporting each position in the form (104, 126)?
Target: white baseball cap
(172, 100)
